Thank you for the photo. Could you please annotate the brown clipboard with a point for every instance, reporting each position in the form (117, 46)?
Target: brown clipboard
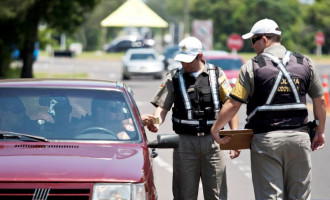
(240, 139)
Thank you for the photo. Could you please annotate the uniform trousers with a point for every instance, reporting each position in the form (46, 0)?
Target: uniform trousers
(281, 165)
(198, 158)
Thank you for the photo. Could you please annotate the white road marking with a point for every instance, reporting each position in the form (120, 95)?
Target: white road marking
(163, 164)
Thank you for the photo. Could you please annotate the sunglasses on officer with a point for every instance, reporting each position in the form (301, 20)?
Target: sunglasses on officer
(254, 40)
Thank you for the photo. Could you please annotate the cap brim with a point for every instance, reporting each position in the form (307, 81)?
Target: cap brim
(184, 58)
(247, 36)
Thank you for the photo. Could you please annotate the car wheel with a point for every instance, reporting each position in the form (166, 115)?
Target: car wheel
(126, 77)
(158, 76)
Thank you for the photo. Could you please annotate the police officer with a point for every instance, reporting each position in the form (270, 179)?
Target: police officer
(274, 85)
(197, 91)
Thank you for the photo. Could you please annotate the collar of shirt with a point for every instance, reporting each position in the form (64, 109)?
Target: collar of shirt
(276, 49)
(204, 69)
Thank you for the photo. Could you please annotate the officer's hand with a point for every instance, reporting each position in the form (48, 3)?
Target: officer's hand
(234, 153)
(318, 141)
(153, 127)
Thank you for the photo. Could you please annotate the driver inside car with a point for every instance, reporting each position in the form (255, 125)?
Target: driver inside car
(108, 116)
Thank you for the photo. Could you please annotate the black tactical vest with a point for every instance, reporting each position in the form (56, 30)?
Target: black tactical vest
(265, 74)
(202, 105)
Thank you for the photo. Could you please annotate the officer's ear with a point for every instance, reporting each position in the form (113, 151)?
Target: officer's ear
(199, 56)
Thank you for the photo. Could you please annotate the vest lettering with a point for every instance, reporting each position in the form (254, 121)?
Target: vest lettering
(283, 111)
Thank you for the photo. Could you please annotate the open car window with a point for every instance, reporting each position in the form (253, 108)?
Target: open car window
(68, 114)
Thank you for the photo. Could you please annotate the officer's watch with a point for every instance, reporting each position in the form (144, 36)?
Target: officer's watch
(317, 122)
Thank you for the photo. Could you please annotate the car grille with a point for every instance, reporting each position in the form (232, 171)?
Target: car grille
(45, 193)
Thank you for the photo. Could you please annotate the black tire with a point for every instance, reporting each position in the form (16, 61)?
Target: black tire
(125, 77)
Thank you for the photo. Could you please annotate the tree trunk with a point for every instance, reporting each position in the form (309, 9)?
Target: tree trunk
(31, 35)
(4, 61)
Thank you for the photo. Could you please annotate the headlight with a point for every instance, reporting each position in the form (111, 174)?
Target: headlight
(119, 191)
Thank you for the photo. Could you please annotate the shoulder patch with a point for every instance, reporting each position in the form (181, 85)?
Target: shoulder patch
(299, 57)
(260, 60)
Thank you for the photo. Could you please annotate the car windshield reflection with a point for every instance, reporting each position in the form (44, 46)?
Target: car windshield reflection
(68, 114)
(227, 64)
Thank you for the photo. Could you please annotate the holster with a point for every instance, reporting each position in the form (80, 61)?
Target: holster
(311, 125)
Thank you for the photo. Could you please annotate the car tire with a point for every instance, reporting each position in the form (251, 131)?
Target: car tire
(158, 76)
(126, 77)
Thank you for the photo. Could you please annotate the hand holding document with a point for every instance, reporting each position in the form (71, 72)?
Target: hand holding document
(240, 139)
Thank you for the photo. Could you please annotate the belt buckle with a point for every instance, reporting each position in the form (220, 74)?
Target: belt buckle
(200, 134)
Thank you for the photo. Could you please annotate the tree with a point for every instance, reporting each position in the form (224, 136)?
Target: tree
(90, 33)
(22, 23)
(12, 13)
(238, 16)
(318, 19)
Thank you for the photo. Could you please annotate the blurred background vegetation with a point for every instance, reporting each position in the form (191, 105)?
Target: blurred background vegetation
(25, 22)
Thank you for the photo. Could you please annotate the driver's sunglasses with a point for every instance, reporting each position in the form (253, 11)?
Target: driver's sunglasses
(256, 39)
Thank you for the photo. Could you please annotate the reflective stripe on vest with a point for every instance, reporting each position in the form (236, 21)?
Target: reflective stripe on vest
(281, 107)
(191, 122)
(186, 100)
(213, 86)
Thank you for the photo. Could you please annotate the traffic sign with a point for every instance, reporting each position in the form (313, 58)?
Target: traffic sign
(203, 30)
(235, 42)
(319, 38)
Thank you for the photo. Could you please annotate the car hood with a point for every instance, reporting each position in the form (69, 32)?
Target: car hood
(143, 62)
(231, 73)
(71, 162)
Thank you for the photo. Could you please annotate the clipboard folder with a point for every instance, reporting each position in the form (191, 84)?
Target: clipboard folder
(240, 139)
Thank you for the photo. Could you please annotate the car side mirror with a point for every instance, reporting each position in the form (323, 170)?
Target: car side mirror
(165, 141)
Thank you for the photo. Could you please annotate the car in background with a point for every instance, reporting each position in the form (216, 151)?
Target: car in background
(229, 63)
(142, 62)
(169, 53)
(53, 145)
(208, 53)
(122, 44)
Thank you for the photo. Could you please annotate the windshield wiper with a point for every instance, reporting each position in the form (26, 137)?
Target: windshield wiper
(14, 135)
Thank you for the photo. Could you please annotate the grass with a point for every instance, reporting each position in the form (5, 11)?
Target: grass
(71, 76)
(100, 55)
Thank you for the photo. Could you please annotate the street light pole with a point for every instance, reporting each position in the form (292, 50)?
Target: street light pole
(186, 18)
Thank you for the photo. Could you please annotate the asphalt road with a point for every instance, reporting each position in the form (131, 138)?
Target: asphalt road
(238, 170)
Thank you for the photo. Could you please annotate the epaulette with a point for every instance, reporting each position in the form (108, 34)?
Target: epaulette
(174, 73)
(299, 57)
(260, 60)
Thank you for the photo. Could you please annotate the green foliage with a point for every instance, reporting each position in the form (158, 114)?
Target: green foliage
(20, 20)
(318, 19)
(90, 33)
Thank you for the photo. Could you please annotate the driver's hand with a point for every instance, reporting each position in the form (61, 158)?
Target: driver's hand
(147, 119)
(153, 127)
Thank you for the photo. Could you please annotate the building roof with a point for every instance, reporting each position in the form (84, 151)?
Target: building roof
(134, 13)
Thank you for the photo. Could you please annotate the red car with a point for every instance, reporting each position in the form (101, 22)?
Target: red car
(230, 63)
(74, 139)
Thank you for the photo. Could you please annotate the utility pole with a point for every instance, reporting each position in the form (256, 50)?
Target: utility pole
(186, 18)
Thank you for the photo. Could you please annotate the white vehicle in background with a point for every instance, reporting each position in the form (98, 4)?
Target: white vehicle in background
(142, 62)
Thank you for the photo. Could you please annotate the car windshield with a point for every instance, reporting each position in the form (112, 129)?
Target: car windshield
(227, 64)
(143, 56)
(171, 52)
(68, 114)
